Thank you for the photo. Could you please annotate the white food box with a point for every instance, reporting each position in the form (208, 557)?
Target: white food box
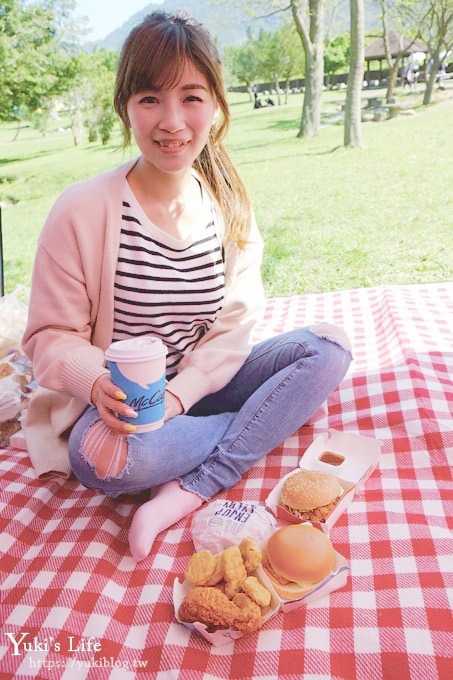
(337, 579)
(9, 406)
(17, 441)
(349, 457)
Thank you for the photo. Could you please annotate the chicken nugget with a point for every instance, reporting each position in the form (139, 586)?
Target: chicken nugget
(234, 572)
(251, 554)
(256, 591)
(201, 567)
(217, 576)
(210, 606)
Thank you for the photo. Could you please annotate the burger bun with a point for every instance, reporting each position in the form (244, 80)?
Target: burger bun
(310, 494)
(297, 557)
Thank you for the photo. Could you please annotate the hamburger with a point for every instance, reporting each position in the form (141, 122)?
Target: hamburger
(310, 495)
(296, 558)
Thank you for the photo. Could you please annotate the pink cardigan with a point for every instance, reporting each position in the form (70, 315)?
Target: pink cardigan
(70, 320)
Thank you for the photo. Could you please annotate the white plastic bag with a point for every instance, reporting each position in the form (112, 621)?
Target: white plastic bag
(222, 523)
(13, 318)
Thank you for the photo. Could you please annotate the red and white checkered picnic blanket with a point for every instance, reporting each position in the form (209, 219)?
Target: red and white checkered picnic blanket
(88, 611)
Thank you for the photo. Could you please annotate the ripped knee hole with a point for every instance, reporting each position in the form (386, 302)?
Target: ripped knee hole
(333, 333)
(105, 451)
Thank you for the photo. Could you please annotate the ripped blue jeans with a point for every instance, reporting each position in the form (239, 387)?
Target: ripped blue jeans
(280, 386)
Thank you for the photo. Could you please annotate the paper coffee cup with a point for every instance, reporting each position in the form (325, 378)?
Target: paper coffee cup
(137, 367)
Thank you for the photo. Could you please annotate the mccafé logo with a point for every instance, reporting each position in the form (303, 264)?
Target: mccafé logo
(143, 402)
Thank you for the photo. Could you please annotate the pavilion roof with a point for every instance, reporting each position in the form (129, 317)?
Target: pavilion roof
(399, 44)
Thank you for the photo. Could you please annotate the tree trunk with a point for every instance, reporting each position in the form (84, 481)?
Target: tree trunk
(393, 75)
(392, 65)
(277, 89)
(353, 112)
(313, 44)
(16, 135)
(431, 79)
(76, 125)
(311, 110)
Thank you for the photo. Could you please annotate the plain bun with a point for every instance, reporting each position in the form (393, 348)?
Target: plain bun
(308, 489)
(288, 591)
(297, 557)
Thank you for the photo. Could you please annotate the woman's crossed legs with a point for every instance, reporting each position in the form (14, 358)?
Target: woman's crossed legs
(280, 386)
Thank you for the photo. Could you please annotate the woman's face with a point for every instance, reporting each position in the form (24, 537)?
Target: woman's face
(171, 126)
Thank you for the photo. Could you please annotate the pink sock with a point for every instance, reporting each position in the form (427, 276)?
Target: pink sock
(169, 504)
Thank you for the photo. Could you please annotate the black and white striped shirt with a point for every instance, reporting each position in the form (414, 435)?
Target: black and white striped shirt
(168, 287)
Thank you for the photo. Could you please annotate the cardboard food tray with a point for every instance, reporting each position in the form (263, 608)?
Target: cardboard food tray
(337, 579)
(349, 457)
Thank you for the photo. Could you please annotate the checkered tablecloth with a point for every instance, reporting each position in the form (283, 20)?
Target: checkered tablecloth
(88, 611)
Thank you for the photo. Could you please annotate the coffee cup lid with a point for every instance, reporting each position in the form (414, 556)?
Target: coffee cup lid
(136, 349)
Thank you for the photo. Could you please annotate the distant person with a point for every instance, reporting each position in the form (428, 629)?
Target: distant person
(442, 72)
(258, 103)
(270, 101)
(408, 77)
(165, 245)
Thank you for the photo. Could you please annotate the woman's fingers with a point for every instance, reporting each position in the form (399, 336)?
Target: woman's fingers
(109, 401)
(115, 423)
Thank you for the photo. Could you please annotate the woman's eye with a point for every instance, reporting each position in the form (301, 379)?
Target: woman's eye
(149, 99)
(193, 98)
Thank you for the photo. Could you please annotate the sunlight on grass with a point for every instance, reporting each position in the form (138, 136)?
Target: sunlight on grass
(331, 217)
(339, 218)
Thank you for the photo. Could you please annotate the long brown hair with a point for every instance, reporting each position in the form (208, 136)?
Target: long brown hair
(156, 52)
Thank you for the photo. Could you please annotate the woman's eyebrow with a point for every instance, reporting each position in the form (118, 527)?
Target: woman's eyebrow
(186, 86)
(193, 86)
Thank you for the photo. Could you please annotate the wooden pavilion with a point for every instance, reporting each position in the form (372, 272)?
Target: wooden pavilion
(399, 45)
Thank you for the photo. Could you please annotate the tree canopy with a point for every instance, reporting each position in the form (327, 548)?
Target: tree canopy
(32, 60)
(42, 62)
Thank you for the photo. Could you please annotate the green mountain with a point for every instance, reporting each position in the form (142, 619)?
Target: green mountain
(229, 25)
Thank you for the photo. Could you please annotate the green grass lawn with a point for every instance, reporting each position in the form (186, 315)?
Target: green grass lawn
(331, 217)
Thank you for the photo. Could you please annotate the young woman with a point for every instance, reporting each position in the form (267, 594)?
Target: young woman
(165, 245)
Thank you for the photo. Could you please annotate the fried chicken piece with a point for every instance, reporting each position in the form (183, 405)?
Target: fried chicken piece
(210, 606)
(234, 572)
(201, 568)
(249, 615)
(251, 554)
(316, 515)
(256, 591)
(242, 600)
(5, 369)
(217, 576)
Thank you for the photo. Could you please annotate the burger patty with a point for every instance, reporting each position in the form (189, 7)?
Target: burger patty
(280, 579)
(317, 514)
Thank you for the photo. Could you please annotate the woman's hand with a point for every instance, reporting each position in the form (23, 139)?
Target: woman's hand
(108, 399)
(173, 406)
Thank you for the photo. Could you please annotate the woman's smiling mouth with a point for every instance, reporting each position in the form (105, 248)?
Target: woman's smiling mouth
(171, 144)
